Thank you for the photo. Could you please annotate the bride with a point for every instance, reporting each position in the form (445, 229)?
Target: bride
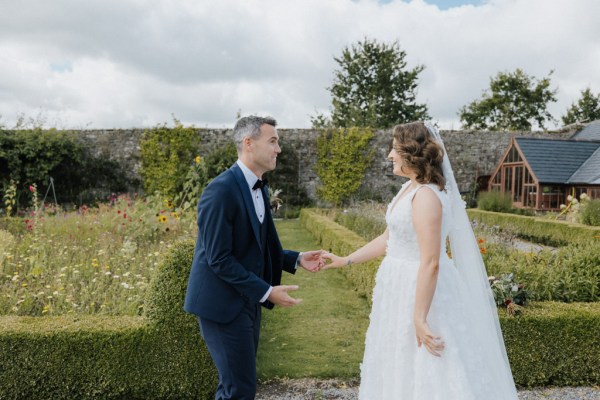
(434, 330)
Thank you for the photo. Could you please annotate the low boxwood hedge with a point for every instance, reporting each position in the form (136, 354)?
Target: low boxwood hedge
(554, 344)
(538, 230)
(550, 344)
(158, 356)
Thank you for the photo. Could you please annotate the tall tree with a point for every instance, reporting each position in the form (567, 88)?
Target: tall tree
(515, 102)
(586, 109)
(373, 88)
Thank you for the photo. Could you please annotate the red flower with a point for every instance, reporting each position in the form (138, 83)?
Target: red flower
(31, 188)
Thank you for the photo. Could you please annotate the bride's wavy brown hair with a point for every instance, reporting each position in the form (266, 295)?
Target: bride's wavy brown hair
(420, 152)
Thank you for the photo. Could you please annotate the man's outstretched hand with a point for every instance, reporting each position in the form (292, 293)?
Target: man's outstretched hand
(280, 296)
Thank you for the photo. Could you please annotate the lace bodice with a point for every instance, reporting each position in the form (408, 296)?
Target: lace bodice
(402, 242)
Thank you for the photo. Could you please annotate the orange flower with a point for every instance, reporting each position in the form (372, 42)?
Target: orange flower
(480, 241)
(482, 250)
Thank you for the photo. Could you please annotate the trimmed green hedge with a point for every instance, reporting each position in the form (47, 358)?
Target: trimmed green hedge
(539, 230)
(550, 344)
(158, 356)
(554, 344)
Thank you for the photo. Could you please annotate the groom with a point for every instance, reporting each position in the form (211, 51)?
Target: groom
(238, 259)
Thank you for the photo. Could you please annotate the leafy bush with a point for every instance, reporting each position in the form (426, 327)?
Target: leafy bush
(33, 156)
(554, 344)
(220, 159)
(166, 155)
(494, 201)
(343, 157)
(590, 213)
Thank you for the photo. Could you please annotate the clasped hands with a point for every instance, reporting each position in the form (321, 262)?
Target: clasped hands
(312, 261)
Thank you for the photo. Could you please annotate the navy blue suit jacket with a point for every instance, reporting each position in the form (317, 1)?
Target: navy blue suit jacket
(228, 259)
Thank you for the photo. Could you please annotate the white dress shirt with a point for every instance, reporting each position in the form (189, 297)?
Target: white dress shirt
(257, 197)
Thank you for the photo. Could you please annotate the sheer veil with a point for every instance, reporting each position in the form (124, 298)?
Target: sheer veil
(467, 258)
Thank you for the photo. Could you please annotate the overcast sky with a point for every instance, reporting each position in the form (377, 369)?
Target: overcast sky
(134, 63)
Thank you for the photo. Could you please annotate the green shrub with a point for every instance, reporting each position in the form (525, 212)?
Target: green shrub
(100, 357)
(166, 155)
(494, 201)
(33, 156)
(590, 213)
(220, 159)
(343, 157)
(554, 344)
(166, 294)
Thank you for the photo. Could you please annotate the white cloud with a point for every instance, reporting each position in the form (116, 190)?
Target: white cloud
(105, 64)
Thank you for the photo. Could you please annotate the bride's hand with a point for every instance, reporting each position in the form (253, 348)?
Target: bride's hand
(433, 344)
(333, 261)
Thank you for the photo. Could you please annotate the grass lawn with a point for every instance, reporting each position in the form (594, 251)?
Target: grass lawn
(322, 337)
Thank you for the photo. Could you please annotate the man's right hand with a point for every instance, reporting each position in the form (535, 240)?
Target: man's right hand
(280, 296)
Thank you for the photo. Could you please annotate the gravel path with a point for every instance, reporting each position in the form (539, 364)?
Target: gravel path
(312, 389)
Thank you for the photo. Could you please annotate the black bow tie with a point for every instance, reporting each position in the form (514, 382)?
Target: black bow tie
(260, 183)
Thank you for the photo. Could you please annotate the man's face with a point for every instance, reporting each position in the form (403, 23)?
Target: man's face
(265, 149)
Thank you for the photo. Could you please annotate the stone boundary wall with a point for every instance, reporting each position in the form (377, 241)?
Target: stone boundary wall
(472, 154)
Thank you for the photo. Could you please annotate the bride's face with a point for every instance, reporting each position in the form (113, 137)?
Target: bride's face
(397, 162)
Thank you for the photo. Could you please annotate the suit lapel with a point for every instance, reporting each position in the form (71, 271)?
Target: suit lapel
(243, 186)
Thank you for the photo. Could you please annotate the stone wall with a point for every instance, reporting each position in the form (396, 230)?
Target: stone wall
(472, 153)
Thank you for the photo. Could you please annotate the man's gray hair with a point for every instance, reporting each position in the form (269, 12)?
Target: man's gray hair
(250, 127)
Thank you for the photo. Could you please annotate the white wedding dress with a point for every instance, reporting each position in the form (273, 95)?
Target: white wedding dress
(394, 368)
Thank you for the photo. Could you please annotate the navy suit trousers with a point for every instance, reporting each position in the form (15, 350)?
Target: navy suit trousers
(233, 348)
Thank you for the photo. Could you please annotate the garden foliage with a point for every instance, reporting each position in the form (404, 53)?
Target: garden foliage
(343, 157)
(590, 213)
(34, 155)
(495, 201)
(167, 154)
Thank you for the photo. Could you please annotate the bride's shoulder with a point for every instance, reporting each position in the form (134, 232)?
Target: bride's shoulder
(440, 193)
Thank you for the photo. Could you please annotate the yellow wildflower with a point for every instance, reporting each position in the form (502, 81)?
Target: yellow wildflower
(197, 160)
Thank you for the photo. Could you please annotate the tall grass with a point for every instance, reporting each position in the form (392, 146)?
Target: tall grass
(590, 213)
(92, 261)
(494, 201)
